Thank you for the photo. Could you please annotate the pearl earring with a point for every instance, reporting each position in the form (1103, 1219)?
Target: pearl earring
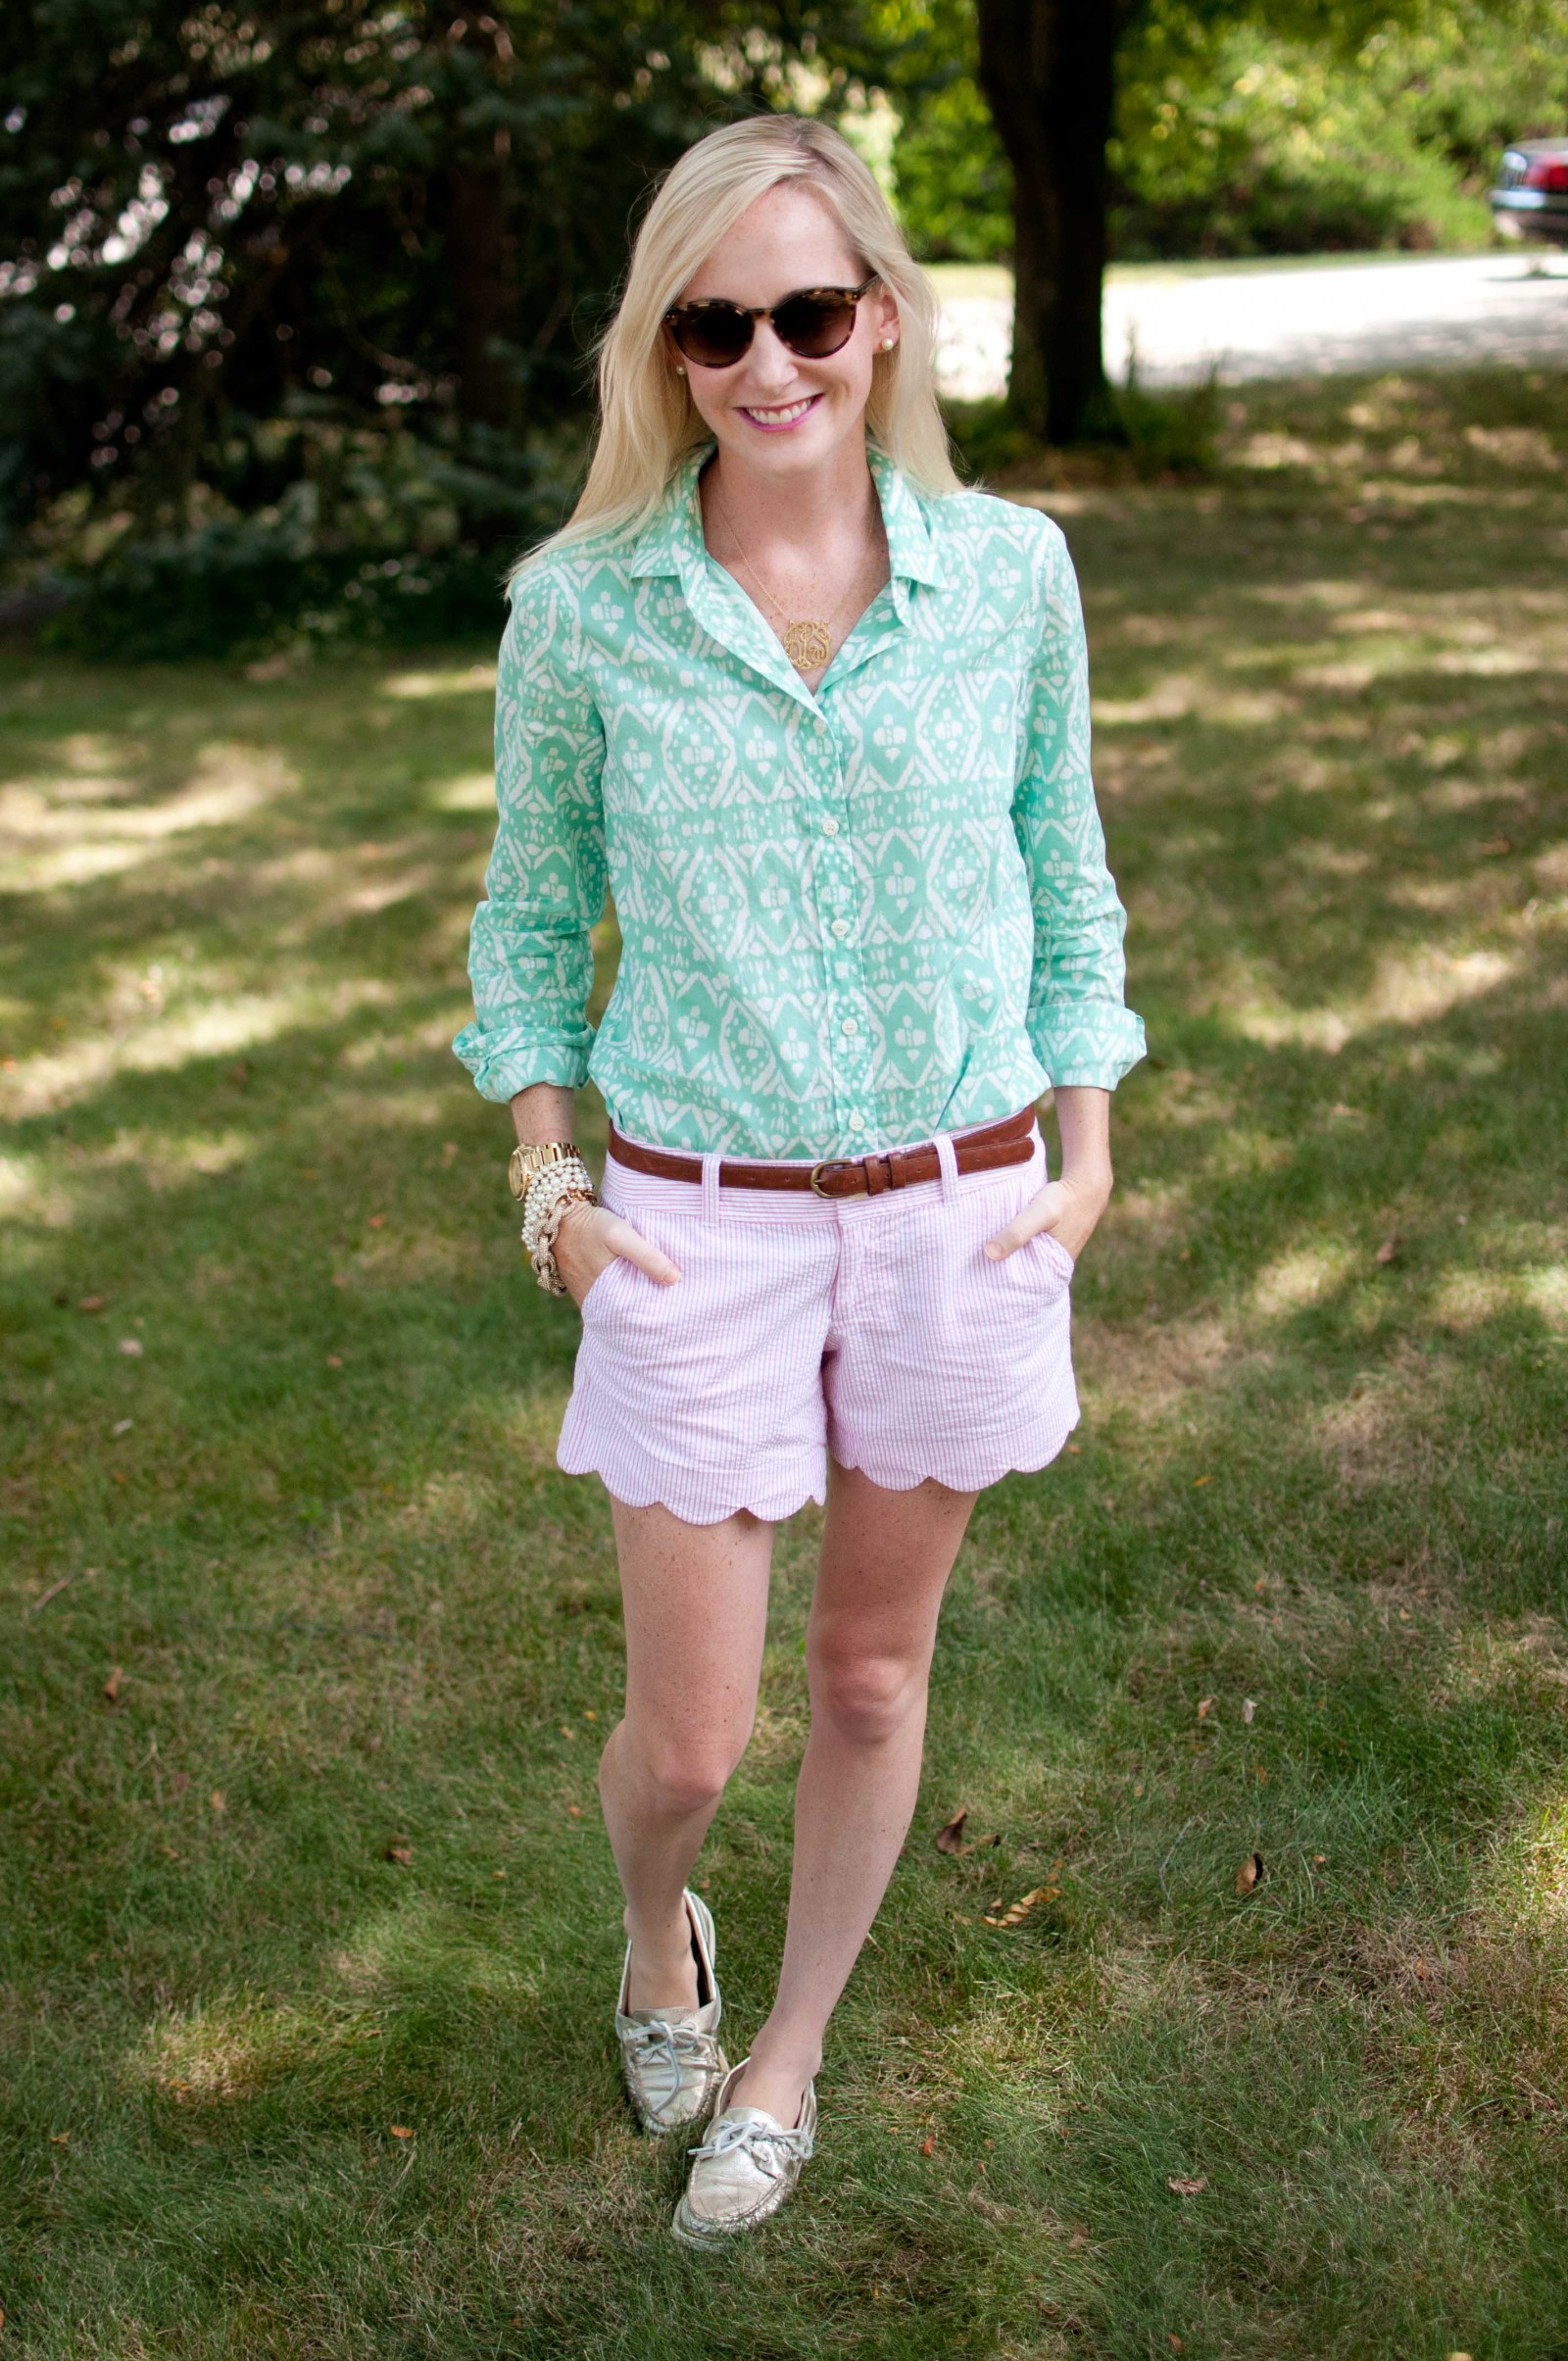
(887, 344)
(680, 372)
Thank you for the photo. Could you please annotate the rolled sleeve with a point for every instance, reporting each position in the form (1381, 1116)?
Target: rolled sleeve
(530, 959)
(1079, 1025)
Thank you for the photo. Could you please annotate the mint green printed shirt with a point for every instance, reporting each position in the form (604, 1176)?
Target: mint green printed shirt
(850, 917)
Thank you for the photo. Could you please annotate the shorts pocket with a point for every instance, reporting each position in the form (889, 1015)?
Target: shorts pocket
(1058, 1254)
(598, 1285)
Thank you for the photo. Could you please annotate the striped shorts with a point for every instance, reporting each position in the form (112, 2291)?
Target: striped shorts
(874, 1328)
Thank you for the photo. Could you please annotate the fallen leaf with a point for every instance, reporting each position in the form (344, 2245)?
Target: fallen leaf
(575, 1811)
(218, 1799)
(378, 1221)
(1493, 846)
(1016, 1912)
(1248, 1708)
(1251, 1870)
(1197, 1480)
(1318, 1859)
(1203, 1705)
(400, 2131)
(951, 1838)
(60, 2140)
(1261, 1586)
(334, 1360)
(1175, 2342)
(112, 1685)
(928, 2143)
(1138, 1788)
(92, 1303)
(1390, 1247)
(564, 1732)
(1076, 1449)
(122, 1426)
(1187, 2188)
(340, 1278)
(449, 1149)
(403, 1854)
(1079, 2237)
(588, 1714)
(132, 1348)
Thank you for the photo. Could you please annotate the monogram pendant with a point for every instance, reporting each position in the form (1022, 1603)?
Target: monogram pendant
(807, 646)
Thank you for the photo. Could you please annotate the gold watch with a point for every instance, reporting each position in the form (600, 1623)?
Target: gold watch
(526, 1162)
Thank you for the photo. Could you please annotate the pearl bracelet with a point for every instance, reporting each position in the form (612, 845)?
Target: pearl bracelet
(570, 1173)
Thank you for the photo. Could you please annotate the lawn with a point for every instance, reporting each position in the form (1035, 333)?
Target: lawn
(309, 1933)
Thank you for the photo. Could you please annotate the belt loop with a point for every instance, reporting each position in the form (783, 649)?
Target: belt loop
(948, 1159)
(710, 1163)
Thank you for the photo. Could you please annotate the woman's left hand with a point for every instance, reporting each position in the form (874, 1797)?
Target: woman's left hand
(1069, 1209)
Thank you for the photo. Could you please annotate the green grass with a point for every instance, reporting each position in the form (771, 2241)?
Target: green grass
(316, 1523)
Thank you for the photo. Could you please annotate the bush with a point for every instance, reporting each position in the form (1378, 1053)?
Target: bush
(394, 557)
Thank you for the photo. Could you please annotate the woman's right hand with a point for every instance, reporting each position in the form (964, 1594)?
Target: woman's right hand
(591, 1236)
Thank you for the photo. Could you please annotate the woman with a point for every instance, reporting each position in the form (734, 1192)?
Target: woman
(821, 717)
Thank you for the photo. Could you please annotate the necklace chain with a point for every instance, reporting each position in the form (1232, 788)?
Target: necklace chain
(807, 644)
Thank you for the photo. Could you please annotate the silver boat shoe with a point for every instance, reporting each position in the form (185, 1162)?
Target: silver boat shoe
(744, 2170)
(670, 2057)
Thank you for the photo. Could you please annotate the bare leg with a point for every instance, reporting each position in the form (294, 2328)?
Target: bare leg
(886, 1559)
(696, 1608)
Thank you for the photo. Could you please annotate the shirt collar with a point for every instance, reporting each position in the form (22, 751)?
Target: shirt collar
(673, 541)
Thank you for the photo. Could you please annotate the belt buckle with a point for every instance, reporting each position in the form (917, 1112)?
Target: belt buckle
(833, 1164)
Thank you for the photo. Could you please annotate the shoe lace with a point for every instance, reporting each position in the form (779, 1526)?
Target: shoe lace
(679, 2044)
(737, 2133)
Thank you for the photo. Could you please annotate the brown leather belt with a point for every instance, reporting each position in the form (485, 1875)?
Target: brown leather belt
(1009, 1142)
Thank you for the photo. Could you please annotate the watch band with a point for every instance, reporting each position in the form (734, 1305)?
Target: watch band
(526, 1161)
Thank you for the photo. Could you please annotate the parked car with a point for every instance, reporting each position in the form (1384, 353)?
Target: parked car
(1530, 198)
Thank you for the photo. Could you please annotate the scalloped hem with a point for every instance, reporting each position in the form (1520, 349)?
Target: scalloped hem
(645, 1490)
(971, 1478)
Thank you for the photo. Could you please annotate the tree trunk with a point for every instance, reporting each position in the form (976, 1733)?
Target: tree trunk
(1047, 70)
(482, 259)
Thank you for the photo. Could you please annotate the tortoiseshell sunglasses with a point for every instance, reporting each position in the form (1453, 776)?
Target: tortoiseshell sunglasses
(814, 323)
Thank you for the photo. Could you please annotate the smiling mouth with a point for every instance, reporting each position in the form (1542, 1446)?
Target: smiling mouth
(781, 414)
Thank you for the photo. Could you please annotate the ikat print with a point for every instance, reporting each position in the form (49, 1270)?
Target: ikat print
(849, 918)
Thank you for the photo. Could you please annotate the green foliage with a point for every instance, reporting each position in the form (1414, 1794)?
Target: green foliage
(238, 248)
(1233, 140)
(1258, 130)
(372, 540)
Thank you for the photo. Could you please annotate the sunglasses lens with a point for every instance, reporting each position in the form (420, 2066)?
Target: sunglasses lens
(712, 334)
(814, 325)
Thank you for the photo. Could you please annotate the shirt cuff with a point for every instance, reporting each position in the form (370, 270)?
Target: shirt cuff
(502, 1064)
(1088, 1048)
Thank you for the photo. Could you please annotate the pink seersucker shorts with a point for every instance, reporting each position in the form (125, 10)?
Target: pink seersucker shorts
(871, 1327)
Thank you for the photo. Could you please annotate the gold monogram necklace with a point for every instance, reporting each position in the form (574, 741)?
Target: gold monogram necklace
(807, 644)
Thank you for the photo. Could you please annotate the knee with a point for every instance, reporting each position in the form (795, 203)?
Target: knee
(866, 1698)
(684, 1773)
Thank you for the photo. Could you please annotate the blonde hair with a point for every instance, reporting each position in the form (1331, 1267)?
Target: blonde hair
(648, 422)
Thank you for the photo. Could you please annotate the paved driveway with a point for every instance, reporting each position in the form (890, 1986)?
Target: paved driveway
(1287, 322)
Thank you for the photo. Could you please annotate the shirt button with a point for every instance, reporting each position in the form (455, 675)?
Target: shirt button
(830, 827)
(840, 927)
(848, 1025)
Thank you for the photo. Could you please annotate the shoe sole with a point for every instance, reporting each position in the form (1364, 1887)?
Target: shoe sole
(708, 2241)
